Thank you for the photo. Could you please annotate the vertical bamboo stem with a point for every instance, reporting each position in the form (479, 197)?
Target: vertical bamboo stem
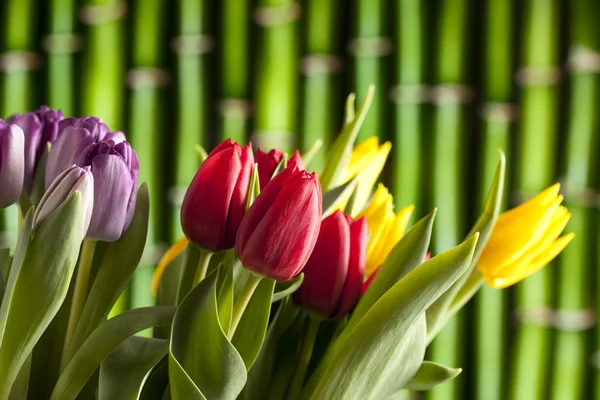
(367, 48)
(408, 96)
(276, 80)
(497, 116)
(193, 47)
(17, 61)
(61, 44)
(320, 64)
(448, 159)
(535, 170)
(234, 106)
(145, 131)
(574, 285)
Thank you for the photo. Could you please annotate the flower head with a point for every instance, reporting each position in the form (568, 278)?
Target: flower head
(12, 162)
(525, 239)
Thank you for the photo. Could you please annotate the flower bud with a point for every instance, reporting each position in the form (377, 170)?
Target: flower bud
(12, 164)
(334, 273)
(72, 179)
(267, 164)
(215, 201)
(296, 161)
(280, 229)
(39, 127)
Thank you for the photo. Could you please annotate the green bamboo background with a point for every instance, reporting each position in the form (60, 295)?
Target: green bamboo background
(456, 80)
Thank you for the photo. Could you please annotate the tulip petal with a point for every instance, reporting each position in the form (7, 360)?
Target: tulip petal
(12, 164)
(112, 193)
(32, 130)
(237, 205)
(70, 148)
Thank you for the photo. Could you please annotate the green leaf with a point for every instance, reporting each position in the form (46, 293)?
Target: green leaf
(103, 341)
(116, 269)
(253, 187)
(39, 286)
(200, 349)
(157, 382)
(338, 156)
(280, 333)
(169, 282)
(4, 270)
(124, 371)
(250, 333)
(309, 154)
(349, 109)
(201, 153)
(225, 296)
(431, 374)
(286, 288)
(408, 253)
(380, 354)
(333, 197)
(440, 312)
(20, 388)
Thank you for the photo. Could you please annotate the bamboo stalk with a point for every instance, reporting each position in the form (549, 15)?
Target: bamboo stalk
(102, 82)
(193, 47)
(575, 269)
(497, 116)
(535, 170)
(146, 134)
(17, 62)
(276, 79)
(367, 48)
(320, 65)
(408, 96)
(61, 44)
(234, 106)
(448, 167)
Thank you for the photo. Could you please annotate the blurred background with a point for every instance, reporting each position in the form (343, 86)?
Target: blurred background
(456, 80)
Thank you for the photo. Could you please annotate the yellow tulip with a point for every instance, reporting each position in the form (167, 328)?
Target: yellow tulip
(366, 163)
(386, 227)
(525, 239)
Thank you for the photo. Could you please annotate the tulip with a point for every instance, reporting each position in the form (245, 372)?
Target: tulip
(215, 201)
(386, 227)
(267, 164)
(73, 179)
(333, 275)
(12, 163)
(280, 229)
(525, 239)
(296, 161)
(40, 128)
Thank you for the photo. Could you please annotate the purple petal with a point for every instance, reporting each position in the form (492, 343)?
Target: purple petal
(72, 147)
(12, 164)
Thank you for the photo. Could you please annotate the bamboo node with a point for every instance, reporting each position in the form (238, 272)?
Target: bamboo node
(370, 46)
(175, 195)
(193, 44)
(62, 43)
(538, 76)
(19, 60)
(320, 64)
(272, 138)
(144, 77)
(412, 93)
(240, 108)
(500, 112)
(574, 320)
(540, 316)
(279, 15)
(583, 59)
(451, 93)
(579, 194)
(101, 14)
(153, 253)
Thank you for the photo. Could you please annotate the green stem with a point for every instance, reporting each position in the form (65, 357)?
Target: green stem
(80, 293)
(202, 266)
(305, 355)
(242, 301)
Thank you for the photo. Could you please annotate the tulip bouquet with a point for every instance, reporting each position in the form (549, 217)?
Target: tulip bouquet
(287, 285)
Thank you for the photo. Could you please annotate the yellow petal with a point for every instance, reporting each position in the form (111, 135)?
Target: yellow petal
(538, 263)
(167, 259)
(361, 157)
(367, 177)
(546, 197)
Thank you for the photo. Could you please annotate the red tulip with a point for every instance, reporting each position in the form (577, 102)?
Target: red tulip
(280, 229)
(267, 163)
(333, 275)
(215, 201)
(296, 161)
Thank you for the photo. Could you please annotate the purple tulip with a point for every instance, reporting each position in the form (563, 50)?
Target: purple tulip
(39, 127)
(88, 142)
(72, 179)
(12, 164)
